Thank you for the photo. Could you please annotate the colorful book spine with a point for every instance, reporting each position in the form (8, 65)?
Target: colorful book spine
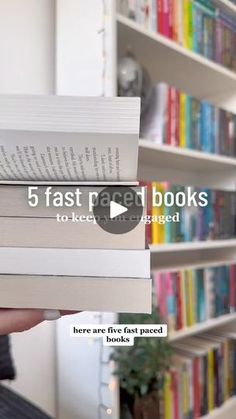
(195, 24)
(179, 120)
(187, 297)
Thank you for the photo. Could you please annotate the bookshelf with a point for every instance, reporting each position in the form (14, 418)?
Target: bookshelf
(202, 327)
(182, 158)
(177, 66)
(226, 5)
(198, 76)
(226, 411)
(193, 246)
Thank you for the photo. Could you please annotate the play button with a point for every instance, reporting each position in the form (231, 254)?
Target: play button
(118, 209)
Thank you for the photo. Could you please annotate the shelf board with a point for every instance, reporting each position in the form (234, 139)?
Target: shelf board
(181, 158)
(192, 246)
(213, 263)
(202, 327)
(227, 410)
(170, 62)
(226, 5)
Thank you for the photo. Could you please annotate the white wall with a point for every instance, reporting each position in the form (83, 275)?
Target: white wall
(27, 46)
(27, 66)
(81, 68)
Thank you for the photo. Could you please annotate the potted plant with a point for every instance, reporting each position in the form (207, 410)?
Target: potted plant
(140, 369)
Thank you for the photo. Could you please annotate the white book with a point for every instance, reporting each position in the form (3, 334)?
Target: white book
(48, 232)
(22, 225)
(130, 295)
(75, 262)
(68, 139)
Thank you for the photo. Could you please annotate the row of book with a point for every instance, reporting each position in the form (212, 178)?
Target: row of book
(198, 25)
(179, 120)
(202, 376)
(199, 219)
(190, 296)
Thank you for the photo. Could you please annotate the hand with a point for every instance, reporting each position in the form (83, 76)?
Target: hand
(19, 320)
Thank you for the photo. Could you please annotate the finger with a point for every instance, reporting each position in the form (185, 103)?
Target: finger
(19, 320)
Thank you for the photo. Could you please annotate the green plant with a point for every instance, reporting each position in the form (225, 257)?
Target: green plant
(141, 366)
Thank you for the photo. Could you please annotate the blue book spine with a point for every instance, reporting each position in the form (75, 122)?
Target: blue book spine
(205, 127)
(197, 29)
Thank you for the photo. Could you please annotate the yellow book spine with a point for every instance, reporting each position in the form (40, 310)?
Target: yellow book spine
(190, 298)
(158, 230)
(210, 380)
(183, 297)
(186, 23)
(185, 394)
(182, 134)
(167, 396)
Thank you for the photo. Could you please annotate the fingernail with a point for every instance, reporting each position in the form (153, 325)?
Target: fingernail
(51, 315)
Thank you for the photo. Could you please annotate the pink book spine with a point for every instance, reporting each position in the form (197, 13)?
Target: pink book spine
(166, 18)
(161, 294)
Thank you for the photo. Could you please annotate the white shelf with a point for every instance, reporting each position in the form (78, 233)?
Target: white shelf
(213, 263)
(226, 411)
(226, 5)
(192, 246)
(168, 61)
(181, 158)
(202, 327)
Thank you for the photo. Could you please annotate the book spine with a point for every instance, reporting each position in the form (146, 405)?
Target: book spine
(186, 23)
(188, 111)
(171, 304)
(175, 25)
(210, 380)
(182, 135)
(153, 16)
(166, 18)
(196, 389)
(160, 16)
(179, 302)
(174, 116)
(177, 120)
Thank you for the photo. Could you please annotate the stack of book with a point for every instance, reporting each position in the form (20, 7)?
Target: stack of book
(190, 296)
(56, 155)
(197, 25)
(176, 119)
(213, 219)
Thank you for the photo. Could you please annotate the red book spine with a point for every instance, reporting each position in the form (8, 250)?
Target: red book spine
(196, 389)
(166, 18)
(179, 315)
(160, 286)
(171, 19)
(160, 8)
